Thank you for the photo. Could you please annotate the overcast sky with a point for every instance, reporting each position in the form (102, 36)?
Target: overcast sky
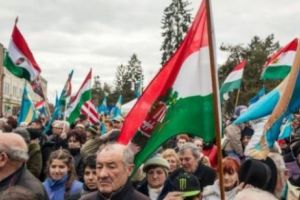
(77, 34)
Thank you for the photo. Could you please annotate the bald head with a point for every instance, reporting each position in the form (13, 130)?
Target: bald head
(15, 146)
(13, 140)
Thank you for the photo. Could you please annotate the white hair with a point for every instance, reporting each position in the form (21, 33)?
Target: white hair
(192, 147)
(14, 154)
(128, 155)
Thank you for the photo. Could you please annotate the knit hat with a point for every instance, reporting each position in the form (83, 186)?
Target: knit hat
(93, 129)
(156, 161)
(259, 173)
(188, 184)
(247, 131)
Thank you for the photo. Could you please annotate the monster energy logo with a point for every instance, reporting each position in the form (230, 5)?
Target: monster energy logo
(182, 183)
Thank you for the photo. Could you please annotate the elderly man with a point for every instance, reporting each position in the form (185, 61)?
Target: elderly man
(189, 157)
(113, 167)
(13, 172)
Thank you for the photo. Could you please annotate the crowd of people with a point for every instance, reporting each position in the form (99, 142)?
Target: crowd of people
(83, 161)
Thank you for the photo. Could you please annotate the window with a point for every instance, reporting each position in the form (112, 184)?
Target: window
(6, 88)
(14, 91)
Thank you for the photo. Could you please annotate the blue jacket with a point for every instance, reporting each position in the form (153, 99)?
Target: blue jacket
(56, 189)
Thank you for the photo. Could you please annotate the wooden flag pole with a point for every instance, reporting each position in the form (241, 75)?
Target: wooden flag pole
(216, 98)
(237, 98)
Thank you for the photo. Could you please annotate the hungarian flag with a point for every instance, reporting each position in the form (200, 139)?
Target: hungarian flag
(280, 102)
(279, 64)
(21, 63)
(19, 59)
(90, 111)
(83, 95)
(234, 79)
(178, 100)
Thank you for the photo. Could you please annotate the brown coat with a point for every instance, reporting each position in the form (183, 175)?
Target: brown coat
(232, 141)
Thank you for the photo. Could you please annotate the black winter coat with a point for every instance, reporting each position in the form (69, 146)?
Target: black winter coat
(205, 174)
(22, 177)
(125, 193)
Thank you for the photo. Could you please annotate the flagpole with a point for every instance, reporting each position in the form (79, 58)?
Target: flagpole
(16, 20)
(215, 98)
(65, 107)
(237, 98)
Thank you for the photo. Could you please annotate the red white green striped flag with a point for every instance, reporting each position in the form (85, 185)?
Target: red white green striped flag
(279, 64)
(233, 80)
(178, 100)
(90, 111)
(83, 95)
(19, 59)
(21, 63)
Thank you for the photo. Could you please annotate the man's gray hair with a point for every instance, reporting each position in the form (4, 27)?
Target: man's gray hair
(128, 155)
(192, 147)
(14, 154)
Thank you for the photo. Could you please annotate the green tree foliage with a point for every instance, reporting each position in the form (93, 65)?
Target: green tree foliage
(126, 77)
(175, 23)
(99, 91)
(122, 76)
(256, 53)
(135, 68)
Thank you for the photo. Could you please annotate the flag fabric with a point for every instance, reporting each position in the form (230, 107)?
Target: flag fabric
(288, 103)
(36, 86)
(117, 110)
(233, 80)
(83, 95)
(57, 109)
(286, 128)
(55, 115)
(102, 108)
(258, 95)
(20, 62)
(280, 102)
(178, 100)
(90, 111)
(27, 111)
(279, 64)
(40, 106)
(19, 59)
(67, 91)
